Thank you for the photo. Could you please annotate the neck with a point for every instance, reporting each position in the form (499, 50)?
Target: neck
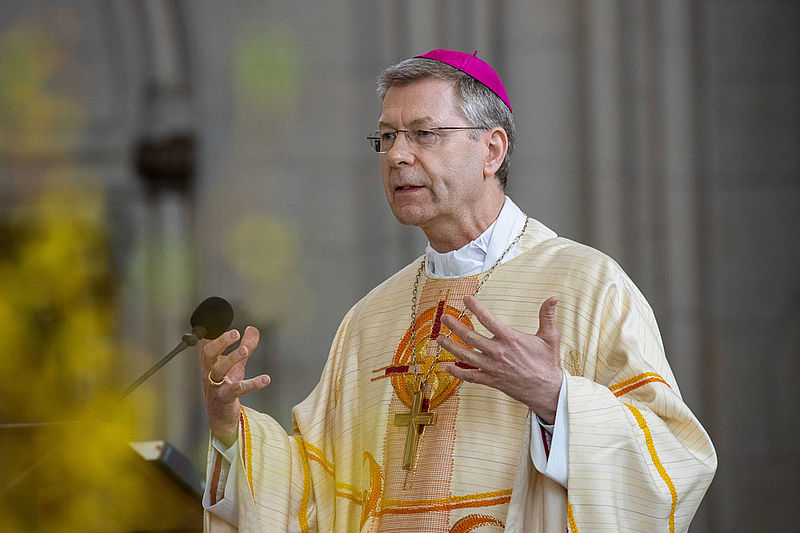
(448, 237)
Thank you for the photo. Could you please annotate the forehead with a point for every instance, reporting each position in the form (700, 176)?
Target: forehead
(420, 102)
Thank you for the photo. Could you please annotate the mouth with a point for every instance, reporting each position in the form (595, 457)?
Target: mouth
(407, 187)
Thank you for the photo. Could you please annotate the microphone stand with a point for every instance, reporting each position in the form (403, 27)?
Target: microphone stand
(188, 339)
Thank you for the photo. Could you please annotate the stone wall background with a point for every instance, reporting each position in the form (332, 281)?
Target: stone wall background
(665, 133)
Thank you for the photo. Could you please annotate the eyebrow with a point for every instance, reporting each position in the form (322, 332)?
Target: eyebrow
(415, 122)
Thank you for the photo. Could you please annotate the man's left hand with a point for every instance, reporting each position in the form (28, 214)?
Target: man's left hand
(526, 367)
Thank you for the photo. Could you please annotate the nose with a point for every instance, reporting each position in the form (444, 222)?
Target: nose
(401, 152)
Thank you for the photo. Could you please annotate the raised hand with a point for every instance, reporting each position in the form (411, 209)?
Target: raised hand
(223, 380)
(526, 367)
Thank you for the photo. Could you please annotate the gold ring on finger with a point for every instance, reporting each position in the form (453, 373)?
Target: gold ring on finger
(215, 383)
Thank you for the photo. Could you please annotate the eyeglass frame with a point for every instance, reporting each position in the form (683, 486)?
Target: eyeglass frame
(375, 139)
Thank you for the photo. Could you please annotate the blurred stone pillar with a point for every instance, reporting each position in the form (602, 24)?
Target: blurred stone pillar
(680, 202)
(604, 213)
(640, 193)
(165, 162)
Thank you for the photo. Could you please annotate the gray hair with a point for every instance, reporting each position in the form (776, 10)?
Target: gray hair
(480, 106)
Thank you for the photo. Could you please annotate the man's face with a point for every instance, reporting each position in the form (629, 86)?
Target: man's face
(435, 187)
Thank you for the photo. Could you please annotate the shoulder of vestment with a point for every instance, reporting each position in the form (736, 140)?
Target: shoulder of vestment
(401, 281)
(559, 254)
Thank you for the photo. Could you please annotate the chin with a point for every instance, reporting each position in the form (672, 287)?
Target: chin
(409, 216)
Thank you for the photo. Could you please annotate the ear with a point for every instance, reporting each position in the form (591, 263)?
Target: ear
(496, 148)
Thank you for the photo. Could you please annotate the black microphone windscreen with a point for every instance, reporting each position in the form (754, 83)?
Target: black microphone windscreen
(215, 314)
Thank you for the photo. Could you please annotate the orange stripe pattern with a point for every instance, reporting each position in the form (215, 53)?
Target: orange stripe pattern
(573, 527)
(474, 521)
(302, 515)
(215, 497)
(315, 454)
(635, 382)
(344, 490)
(247, 451)
(486, 499)
(309, 452)
(648, 437)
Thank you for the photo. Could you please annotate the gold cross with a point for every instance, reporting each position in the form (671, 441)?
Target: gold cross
(416, 419)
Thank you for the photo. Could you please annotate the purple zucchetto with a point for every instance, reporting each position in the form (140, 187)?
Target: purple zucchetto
(474, 66)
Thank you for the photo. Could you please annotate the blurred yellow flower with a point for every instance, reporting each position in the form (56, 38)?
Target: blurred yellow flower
(58, 350)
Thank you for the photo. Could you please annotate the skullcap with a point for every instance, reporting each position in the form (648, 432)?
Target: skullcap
(474, 66)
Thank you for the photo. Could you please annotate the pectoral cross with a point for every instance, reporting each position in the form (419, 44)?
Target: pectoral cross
(416, 420)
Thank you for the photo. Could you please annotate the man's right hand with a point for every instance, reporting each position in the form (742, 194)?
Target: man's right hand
(222, 401)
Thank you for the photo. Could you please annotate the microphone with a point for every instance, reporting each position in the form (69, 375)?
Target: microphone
(210, 320)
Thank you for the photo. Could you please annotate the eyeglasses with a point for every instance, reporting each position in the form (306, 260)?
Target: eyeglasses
(382, 142)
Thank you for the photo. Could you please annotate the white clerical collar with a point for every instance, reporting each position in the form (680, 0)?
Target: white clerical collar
(482, 253)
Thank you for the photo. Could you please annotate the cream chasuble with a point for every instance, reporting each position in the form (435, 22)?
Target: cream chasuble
(638, 459)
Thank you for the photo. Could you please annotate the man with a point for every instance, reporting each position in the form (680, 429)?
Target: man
(508, 379)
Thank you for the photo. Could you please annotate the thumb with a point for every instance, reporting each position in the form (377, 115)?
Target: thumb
(548, 330)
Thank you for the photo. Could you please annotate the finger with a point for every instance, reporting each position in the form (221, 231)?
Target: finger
(497, 327)
(222, 367)
(250, 338)
(548, 330)
(466, 334)
(212, 348)
(462, 353)
(247, 386)
(248, 345)
(469, 375)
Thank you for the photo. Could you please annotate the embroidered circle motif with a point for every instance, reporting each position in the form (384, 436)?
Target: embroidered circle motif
(428, 327)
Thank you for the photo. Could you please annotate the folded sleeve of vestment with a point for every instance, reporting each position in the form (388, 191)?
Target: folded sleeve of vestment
(549, 449)
(637, 454)
(283, 482)
(221, 495)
